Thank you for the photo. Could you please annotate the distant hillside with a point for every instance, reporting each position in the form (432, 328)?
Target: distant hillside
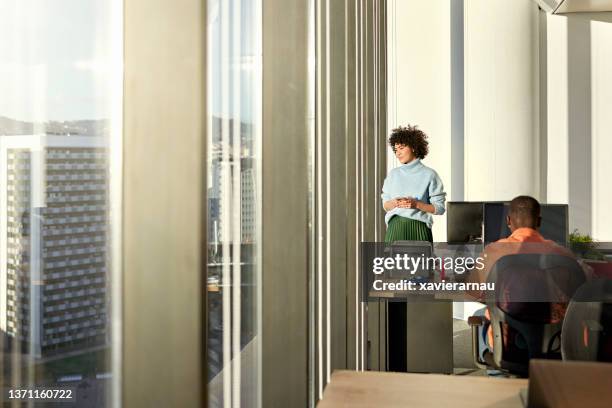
(9, 127)
(15, 127)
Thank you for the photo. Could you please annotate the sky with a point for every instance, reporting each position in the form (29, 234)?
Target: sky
(245, 61)
(56, 59)
(60, 59)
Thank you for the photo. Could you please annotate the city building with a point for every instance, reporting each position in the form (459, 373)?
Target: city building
(53, 275)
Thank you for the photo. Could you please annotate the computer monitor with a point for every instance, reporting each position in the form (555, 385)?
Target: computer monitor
(554, 222)
(494, 219)
(464, 222)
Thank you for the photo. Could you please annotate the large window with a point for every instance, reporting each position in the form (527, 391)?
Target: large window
(60, 121)
(234, 201)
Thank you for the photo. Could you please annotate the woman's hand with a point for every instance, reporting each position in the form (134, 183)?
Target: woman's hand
(391, 204)
(408, 202)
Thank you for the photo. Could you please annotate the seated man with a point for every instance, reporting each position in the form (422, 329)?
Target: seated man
(523, 220)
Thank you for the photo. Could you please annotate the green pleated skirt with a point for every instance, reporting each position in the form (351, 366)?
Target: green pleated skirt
(407, 229)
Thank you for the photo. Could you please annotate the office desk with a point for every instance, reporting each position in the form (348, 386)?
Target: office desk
(378, 389)
(428, 331)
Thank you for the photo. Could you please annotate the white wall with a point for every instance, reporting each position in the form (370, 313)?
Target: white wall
(420, 81)
(501, 99)
(579, 115)
(500, 85)
(502, 63)
(601, 104)
(557, 147)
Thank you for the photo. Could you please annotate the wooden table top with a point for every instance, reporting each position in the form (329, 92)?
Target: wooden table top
(381, 389)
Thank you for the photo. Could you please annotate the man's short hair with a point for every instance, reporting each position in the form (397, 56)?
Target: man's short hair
(524, 210)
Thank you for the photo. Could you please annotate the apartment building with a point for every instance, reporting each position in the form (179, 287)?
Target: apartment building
(53, 276)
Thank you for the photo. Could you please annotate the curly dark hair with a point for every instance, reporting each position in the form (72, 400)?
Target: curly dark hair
(412, 137)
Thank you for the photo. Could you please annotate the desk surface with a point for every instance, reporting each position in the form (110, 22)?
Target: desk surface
(425, 295)
(379, 389)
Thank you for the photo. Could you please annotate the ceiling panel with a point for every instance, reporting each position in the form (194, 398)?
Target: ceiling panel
(573, 6)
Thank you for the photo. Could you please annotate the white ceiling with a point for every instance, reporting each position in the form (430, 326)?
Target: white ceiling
(572, 6)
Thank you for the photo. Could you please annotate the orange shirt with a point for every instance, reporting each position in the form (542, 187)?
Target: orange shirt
(521, 241)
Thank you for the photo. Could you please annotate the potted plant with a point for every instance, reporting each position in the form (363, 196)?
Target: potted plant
(585, 247)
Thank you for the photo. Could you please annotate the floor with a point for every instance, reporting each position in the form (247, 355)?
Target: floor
(463, 361)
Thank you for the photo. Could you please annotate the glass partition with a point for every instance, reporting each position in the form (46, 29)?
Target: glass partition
(234, 201)
(60, 128)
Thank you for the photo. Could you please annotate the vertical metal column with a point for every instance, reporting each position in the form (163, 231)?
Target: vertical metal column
(350, 166)
(164, 228)
(285, 229)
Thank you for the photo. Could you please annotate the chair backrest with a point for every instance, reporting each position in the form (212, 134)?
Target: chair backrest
(587, 328)
(527, 308)
(414, 249)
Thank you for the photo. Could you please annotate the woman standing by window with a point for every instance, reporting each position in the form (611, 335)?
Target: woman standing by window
(412, 192)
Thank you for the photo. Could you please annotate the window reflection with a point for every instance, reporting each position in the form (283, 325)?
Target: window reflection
(57, 123)
(234, 200)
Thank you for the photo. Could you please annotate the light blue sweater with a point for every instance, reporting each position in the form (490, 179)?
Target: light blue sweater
(418, 181)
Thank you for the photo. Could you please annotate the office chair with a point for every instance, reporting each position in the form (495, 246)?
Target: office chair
(587, 328)
(526, 310)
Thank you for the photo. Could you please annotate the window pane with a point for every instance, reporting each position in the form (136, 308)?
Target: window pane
(234, 200)
(60, 120)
